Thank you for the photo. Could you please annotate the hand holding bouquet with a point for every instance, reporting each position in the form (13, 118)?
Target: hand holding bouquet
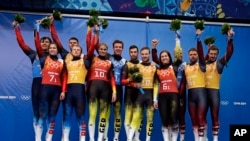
(95, 20)
(18, 19)
(46, 21)
(209, 40)
(136, 76)
(226, 29)
(199, 26)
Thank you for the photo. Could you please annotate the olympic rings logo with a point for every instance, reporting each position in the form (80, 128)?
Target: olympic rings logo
(164, 73)
(25, 97)
(102, 63)
(53, 65)
(224, 102)
(117, 64)
(147, 69)
(210, 68)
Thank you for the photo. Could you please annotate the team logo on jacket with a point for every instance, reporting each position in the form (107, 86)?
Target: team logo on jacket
(149, 69)
(53, 64)
(191, 68)
(75, 63)
(102, 63)
(210, 68)
(164, 73)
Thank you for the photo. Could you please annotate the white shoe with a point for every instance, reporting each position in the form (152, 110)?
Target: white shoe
(201, 138)
(215, 138)
(182, 136)
(131, 134)
(65, 134)
(39, 132)
(174, 136)
(48, 137)
(82, 138)
(165, 135)
(196, 136)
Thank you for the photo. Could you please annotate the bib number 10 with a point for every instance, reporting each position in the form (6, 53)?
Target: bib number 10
(100, 74)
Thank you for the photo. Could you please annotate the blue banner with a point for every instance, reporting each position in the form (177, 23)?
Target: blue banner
(233, 9)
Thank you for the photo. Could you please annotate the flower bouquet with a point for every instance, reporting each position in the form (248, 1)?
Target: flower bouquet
(209, 40)
(136, 76)
(95, 20)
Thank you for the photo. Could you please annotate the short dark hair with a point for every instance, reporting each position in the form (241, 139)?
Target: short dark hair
(192, 49)
(73, 38)
(117, 41)
(145, 48)
(133, 46)
(46, 38)
(213, 47)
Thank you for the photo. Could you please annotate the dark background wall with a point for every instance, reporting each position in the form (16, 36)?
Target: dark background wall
(215, 9)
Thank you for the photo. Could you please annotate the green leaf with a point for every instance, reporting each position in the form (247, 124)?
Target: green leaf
(137, 77)
(209, 40)
(94, 13)
(95, 20)
(225, 28)
(19, 18)
(199, 24)
(175, 25)
(104, 23)
(57, 15)
(45, 23)
(133, 70)
(92, 21)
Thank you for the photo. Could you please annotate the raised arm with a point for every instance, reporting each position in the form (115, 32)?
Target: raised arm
(206, 57)
(155, 58)
(202, 60)
(92, 45)
(54, 35)
(38, 44)
(229, 52)
(56, 39)
(26, 49)
(88, 37)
